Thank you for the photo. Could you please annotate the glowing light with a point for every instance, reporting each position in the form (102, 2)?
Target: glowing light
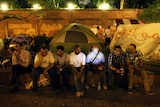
(4, 6)
(36, 6)
(70, 6)
(104, 6)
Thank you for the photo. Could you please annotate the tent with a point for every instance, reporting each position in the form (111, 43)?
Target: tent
(20, 39)
(72, 34)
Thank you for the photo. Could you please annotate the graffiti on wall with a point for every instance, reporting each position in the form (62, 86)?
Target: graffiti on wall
(50, 29)
(28, 29)
(17, 29)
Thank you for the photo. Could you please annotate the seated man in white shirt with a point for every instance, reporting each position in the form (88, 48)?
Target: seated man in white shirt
(77, 62)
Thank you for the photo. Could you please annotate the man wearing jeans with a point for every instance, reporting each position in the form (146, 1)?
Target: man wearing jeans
(116, 67)
(77, 62)
(135, 65)
(61, 69)
(21, 63)
(96, 61)
(43, 63)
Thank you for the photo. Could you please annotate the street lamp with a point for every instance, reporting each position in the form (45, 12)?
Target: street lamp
(70, 6)
(104, 6)
(4, 7)
(36, 6)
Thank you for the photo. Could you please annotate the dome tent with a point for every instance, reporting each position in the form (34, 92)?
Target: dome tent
(74, 34)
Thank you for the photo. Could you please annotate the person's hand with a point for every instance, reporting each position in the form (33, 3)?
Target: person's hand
(132, 67)
(16, 53)
(41, 59)
(138, 68)
(118, 71)
(45, 72)
(79, 75)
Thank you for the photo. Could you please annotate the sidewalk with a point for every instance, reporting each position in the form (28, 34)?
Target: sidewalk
(45, 97)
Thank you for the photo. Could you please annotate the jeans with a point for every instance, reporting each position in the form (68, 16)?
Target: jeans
(143, 76)
(36, 73)
(61, 78)
(18, 70)
(119, 80)
(109, 76)
(102, 74)
(79, 82)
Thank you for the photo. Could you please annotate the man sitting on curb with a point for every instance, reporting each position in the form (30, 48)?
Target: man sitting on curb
(43, 63)
(135, 65)
(96, 61)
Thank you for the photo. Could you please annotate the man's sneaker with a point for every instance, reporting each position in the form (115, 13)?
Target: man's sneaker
(150, 93)
(130, 90)
(93, 85)
(78, 94)
(82, 93)
(104, 87)
(86, 87)
(99, 87)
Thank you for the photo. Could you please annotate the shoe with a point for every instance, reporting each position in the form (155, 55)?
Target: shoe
(93, 85)
(150, 93)
(130, 90)
(99, 87)
(86, 87)
(82, 93)
(78, 94)
(104, 87)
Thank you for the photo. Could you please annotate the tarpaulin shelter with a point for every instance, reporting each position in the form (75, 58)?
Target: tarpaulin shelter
(1, 44)
(145, 36)
(125, 21)
(72, 34)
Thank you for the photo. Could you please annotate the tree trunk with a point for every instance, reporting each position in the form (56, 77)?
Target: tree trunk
(121, 4)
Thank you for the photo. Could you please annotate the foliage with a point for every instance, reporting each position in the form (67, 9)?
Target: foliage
(10, 17)
(56, 4)
(40, 40)
(48, 4)
(137, 3)
(24, 4)
(40, 14)
(13, 4)
(152, 13)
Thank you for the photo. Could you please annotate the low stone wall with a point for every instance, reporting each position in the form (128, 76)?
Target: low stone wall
(153, 72)
(6, 74)
(153, 77)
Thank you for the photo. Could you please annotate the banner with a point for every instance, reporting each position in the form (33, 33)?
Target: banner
(145, 36)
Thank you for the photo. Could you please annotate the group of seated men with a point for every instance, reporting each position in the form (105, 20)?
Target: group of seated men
(58, 65)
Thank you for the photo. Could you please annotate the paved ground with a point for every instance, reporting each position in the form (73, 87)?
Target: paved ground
(45, 97)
